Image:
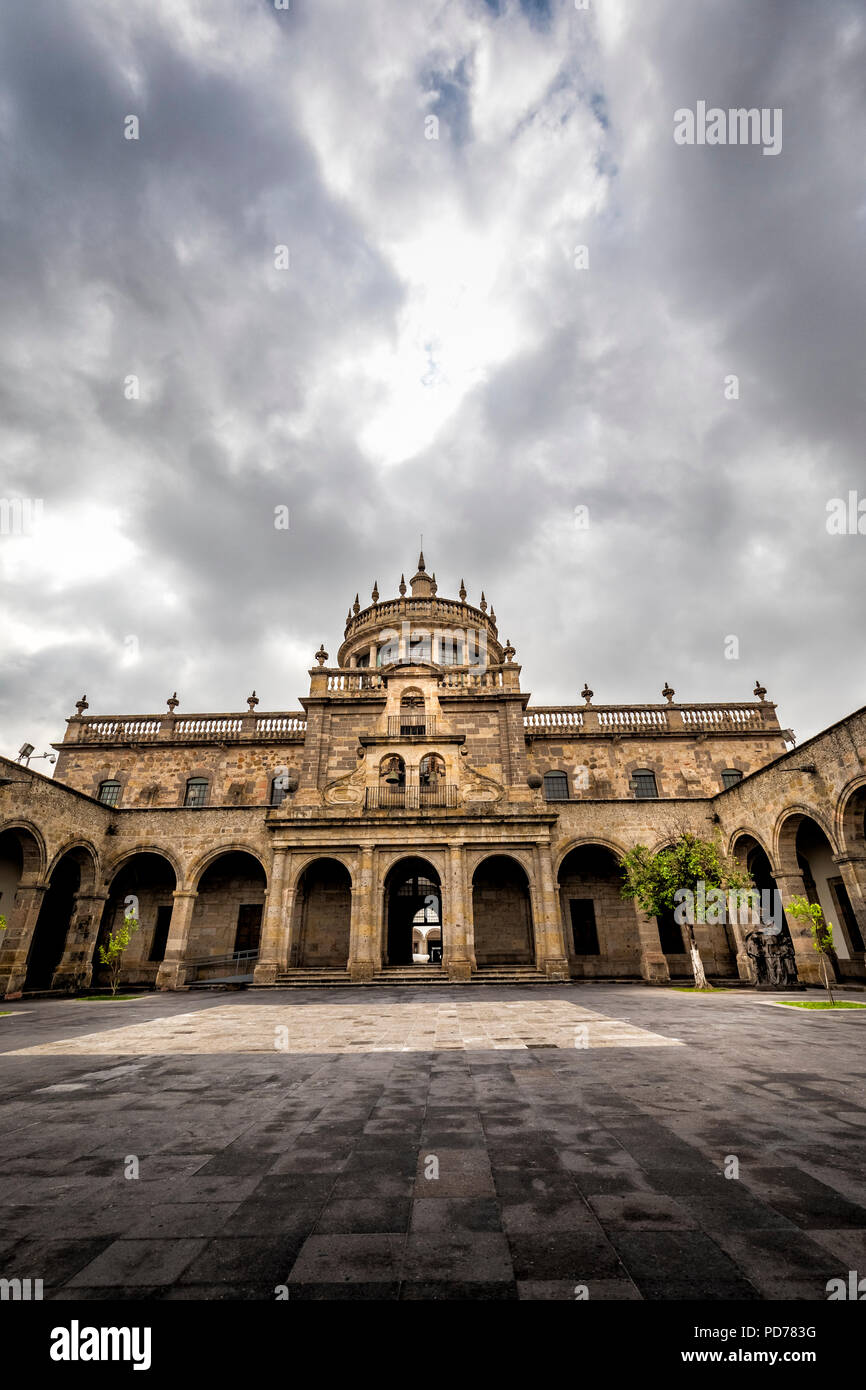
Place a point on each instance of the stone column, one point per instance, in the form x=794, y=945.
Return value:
x=172, y=972
x=16, y=940
x=274, y=945
x=653, y=965
x=458, y=936
x=549, y=939
x=365, y=947
x=852, y=870
x=75, y=969
x=808, y=965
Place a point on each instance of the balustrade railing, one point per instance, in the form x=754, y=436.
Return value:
x=411, y=797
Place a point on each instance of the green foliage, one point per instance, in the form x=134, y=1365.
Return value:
x=2, y=922
x=821, y=931
x=820, y=1004
x=118, y=940
x=654, y=879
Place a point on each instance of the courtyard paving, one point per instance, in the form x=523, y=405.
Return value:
x=474, y=1143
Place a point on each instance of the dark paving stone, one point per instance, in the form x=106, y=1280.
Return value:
x=477, y=1292
x=356, y=1214
x=463, y=1257
x=573, y=1255
x=456, y=1214
x=245, y=1260
x=349, y=1260
x=683, y=1257
x=144, y=1262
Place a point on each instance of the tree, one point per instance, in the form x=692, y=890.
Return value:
x=691, y=868
x=112, y=954
x=820, y=931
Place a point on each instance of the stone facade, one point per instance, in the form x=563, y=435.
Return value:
x=416, y=784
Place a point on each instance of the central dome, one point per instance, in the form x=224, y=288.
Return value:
x=420, y=627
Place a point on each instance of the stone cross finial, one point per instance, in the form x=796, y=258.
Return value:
x=173, y=704
x=668, y=692
x=81, y=705
x=321, y=655
x=587, y=693
x=760, y=690
x=508, y=650
x=252, y=701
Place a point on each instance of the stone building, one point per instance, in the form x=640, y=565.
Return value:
x=417, y=818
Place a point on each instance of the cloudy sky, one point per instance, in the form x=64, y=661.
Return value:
x=438, y=356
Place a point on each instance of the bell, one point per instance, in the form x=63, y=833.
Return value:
x=392, y=776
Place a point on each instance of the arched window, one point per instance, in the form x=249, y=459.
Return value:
x=412, y=714
x=432, y=770
x=730, y=777
x=109, y=793
x=196, y=792
x=556, y=786
x=644, y=783
x=393, y=771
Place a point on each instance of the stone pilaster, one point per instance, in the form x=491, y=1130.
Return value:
x=75, y=970
x=365, y=946
x=274, y=946
x=172, y=972
x=852, y=871
x=653, y=965
x=550, y=951
x=17, y=939
x=808, y=964
x=458, y=935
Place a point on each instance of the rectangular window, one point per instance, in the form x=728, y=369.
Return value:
x=730, y=777
x=583, y=929
x=109, y=793
x=160, y=933
x=249, y=931
x=196, y=793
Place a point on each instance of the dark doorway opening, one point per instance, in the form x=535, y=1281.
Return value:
x=413, y=900
x=52, y=925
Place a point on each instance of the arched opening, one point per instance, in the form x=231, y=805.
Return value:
x=19, y=855
x=412, y=721
x=502, y=913
x=322, y=916
x=392, y=781
x=149, y=880
x=770, y=913
x=823, y=881
x=72, y=873
x=413, y=902
x=600, y=925
x=227, y=917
